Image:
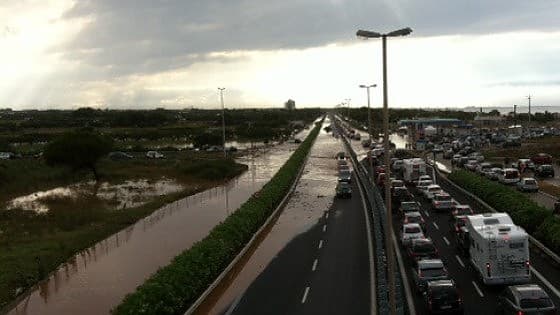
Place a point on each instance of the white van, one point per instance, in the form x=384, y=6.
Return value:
x=499, y=249
x=509, y=176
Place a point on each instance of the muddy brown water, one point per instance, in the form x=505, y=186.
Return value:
x=97, y=279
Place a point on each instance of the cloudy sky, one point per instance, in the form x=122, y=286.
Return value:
x=175, y=53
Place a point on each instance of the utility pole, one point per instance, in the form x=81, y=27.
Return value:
x=348, y=103
x=515, y=115
x=529, y=98
x=223, y=121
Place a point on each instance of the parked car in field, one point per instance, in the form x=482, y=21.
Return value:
x=410, y=232
x=528, y=184
x=477, y=156
x=542, y=158
x=529, y=165
x=343, y=190
x=429, y=270
x=493, y=173
x=422, y=248
x=471, y=165
x=525, y=299
x=442, y=202
x=483, y=168
x=509, y=176
x=154, y=155
x=442, y=297
x=414, y=217
x=544, y=170
x=455, y=159
x=448, y=154
x=430, y=191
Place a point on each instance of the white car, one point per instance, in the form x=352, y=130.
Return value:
x=411, y=231
x=528, y=184
x=471, y=165
x=397, y=165
x=422, y=185
x=431, y=190
x=422, y=178
x=477, y=156
x=442, y=202
x=154, y=155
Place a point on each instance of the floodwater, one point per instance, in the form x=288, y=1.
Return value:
x=130, y=193
x=97, y=279
x=312, y=197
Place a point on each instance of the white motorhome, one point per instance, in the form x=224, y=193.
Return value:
x=413, y=169
x=509, y=176
x=499, y=249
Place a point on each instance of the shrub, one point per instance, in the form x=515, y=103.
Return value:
x=173, y=288
x=523, y=211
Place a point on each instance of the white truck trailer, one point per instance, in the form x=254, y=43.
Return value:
x=499, y=249
x=412, y=169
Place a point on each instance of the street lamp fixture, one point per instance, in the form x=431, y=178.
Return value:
x=389, y=223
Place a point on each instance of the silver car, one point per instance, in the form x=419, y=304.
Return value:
x=528, y=184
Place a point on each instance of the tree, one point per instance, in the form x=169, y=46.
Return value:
x=78, y=150
x=494, y=112
x=290, y=104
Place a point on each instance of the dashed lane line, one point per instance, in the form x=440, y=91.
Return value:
x=435, y=225
x=324, y=228
x=314, y=265
x=427, y=214
x=304, y=298
x=546, y=282
x=477, y=289
x=446, y=240
x=460, y=261
x=320, y=244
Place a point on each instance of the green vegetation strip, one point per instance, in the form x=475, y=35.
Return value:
x=173, y=288
x=537, y=220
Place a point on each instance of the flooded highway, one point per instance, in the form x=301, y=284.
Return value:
x=312, y=198
x=95, y=280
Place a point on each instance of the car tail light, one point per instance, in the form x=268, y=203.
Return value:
x=520, y=313
x=528, y=265
x=406, y=221
x=488, y=269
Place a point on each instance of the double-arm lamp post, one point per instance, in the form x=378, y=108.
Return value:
x=389, y=225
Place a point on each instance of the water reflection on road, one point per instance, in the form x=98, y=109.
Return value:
x=97, y=279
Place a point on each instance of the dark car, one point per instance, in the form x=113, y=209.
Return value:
x=525, y=299
x=422, y=248
x=343, y=190
x=544, y=170
x=442, y=297
x=542, y=158
x=428, y=270
x=409, y=206
x=462, y=210
x=400, y=194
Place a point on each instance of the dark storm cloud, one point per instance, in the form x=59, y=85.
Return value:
x=147, y=36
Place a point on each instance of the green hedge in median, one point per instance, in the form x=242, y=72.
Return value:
x=173, y=288
x=535, y=219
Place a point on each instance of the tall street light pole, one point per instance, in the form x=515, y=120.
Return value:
x=348, y=103
x=389, y=224
x=223, y=120
x=370, y=157
x=529, y=98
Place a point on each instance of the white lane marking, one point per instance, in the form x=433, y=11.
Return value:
x=546, y=282
x=435, y=225
x=304, y=298
x=460, y=261
x=477, y=289
x=324, y=228
x=326, y=215
x=426, y=213
x=320, y=244
x=314, y=265
x=446, y=240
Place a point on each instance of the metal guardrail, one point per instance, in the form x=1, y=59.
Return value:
x=378, y=216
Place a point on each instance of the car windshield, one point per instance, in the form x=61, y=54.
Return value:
x=444, y=293
x=414, y=219
x=344, y=173
x=535, y=303
x=511, y=174
x=434, y=189
x=424, y=247
x=442, y=198
x=463, y=210
x=409, y=205
x=412, y=230
x=433, y=272
x=530, y=182
x=546, y=167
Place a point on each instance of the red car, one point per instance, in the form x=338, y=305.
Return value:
x=542, y=158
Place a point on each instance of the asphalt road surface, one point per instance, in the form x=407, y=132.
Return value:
x=478, y=298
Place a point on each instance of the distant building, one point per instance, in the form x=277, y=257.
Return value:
x=416, y=127
x=290, y=104
x=488, y=120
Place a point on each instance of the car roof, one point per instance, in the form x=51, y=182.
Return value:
x=443, y=193
x=442, y=283
x=525, y=291
x=411, y=225
x=430, y=263
x=462, y=206
x=433, y=186
x=422, y=240
x=413, y=214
